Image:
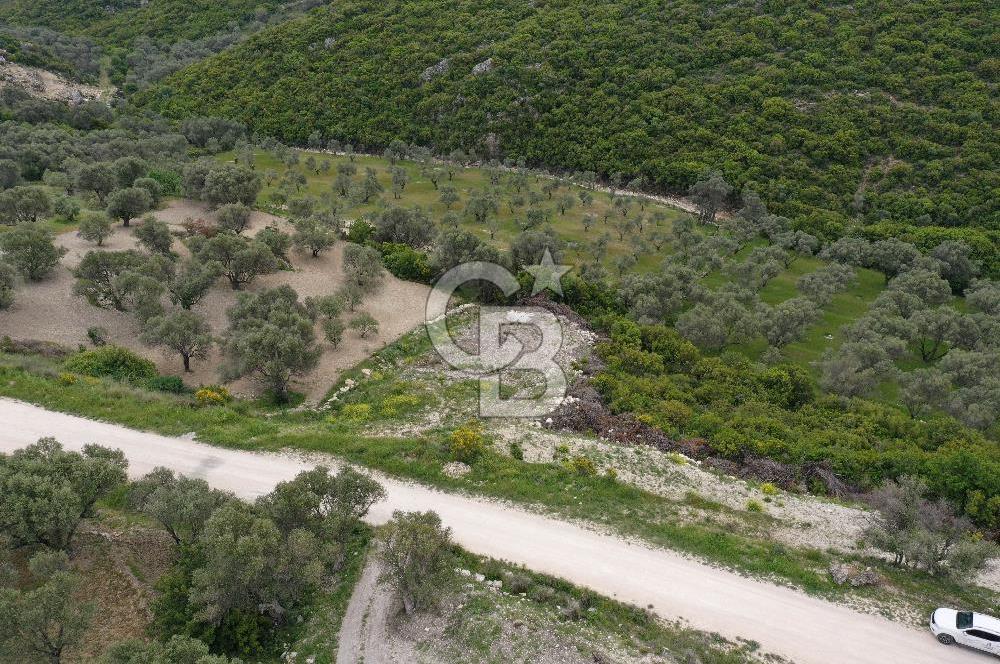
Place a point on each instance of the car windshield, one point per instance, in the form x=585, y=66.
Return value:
x=964, y=619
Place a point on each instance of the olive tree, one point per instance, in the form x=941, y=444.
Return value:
x=271, y=336
x=325, y=504
x=855, y=368
x=234, y=217
x=47, y=616
x=415, y=551
x=24, y=204
x=958, y=266
x=8, y=278
x=98, y=178
x=47, y=490
x=710, y=193
x=180, y=504
x=30, y=249
x=249, y=567
x=95, y=227
x=127, y=204
x=154, y=235
x=363, y=268
x=365, y=325
x=923, y=389
x=183, y=332
x=720, y=321
x=932, y=328
x=787, y=321
x=412, y=227
x=241, y=260
x=192, y=282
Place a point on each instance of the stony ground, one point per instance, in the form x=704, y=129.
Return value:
x=45, y=84
x=48, y=310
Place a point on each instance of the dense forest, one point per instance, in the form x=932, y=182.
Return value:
x=832, y=112
x=121, y=22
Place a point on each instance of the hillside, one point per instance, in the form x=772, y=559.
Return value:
x=828, y=111
x=120, y=22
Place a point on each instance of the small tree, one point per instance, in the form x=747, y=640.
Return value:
x=180, y=504
x=30, y=249
x=154, y=235
x=271, y=336
x=184, y=332
x=8, y=278
x=415, y=550
x=192, y=281
x=925, y=534
x=234, y=217
x=314, y=234
x=365, y=325
x=127, y=204
x=95, y=227
x=449, y=196
x=24, y=204
x=45, y=619
x=47, y=491
x=333, y=330
x=241, y=260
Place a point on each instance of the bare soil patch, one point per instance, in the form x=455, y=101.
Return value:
x=49, y=311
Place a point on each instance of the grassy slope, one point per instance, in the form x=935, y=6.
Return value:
x=420, y=192
x=802, y=101
x=844, y=309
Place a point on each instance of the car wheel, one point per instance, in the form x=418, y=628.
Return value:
x=946, y=639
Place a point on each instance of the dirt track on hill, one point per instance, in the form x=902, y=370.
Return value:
x=806, y=629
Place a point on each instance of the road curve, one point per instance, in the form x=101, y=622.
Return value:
x=805, y=629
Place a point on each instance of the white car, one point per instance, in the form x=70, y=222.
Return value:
x=966, y=628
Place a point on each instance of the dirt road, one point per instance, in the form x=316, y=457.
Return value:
x=784, y=621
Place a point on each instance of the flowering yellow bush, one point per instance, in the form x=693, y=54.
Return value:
x=582, y=465
x=467, y=443
x=357, y=411
x=67, y=379
x=212, y=396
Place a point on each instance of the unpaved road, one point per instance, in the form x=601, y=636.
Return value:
x=783, y=621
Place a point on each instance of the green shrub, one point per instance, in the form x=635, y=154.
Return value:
x=112, y=362
x=172, y=384
x=754, y=506
x=406, y=262
x=516, y=451
x=98, y=335
x=360, y=232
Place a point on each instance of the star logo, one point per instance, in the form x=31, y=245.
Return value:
x=547, y=274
